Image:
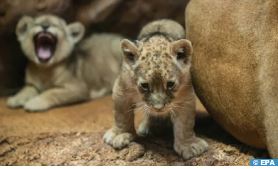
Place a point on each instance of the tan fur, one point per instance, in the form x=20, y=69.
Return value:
x=235, y=66
x=101, y=64
x=73, y=73
x=154, y=60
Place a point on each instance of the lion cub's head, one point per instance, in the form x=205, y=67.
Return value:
x=47, y=39
x=160, y=67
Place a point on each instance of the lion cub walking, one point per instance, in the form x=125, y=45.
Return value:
x=58, y=71
x=156, y=76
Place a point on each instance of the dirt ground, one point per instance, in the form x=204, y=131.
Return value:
x=72, y=135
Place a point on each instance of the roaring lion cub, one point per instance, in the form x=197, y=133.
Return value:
x=156, y=76
x=60, y=72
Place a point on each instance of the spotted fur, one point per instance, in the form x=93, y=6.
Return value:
x=155, y=58
x=156, y=78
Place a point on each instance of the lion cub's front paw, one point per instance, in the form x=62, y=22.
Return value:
x=116, y=139
x=189, y=150
x=15, y=102
x=36, y=104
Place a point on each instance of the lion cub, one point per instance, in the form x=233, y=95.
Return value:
x=60, y=72
x=156, y=76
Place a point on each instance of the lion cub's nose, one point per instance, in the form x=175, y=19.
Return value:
x=158, y=106
x=45, y=25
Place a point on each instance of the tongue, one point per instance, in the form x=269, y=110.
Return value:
x=44, y=53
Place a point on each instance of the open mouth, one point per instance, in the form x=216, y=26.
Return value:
x=45, y=45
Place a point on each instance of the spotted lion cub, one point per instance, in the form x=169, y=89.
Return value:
x=156, y=76
x=59, y=71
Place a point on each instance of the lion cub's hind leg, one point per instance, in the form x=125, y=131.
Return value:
x=144, y=127
x=156, y=126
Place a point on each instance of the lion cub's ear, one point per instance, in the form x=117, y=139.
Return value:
x=76, y=31
x=22, y=26
x=130, y=51
x=182, y=50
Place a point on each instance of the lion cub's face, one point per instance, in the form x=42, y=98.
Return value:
x=47, y=39
x=161, y=68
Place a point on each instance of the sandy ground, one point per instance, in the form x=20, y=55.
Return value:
x=72, y=135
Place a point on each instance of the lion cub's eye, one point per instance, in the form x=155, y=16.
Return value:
x=181, y=55
x=145, y=87
x=171, y=85
x=130, y=56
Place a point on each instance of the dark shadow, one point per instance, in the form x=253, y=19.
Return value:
x=207, y=127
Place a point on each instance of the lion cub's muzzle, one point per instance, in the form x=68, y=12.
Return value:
x=45, y=45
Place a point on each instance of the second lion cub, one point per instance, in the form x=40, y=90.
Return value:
x=59, y=71
x=156, y=75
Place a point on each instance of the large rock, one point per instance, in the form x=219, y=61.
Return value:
x=235, y=66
